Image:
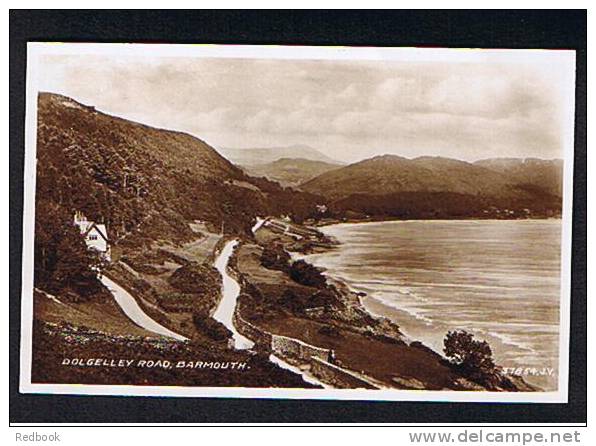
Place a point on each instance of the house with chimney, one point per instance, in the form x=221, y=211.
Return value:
x=95, y=234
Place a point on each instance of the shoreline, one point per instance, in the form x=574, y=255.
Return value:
x=403, y=318
x=334, y=222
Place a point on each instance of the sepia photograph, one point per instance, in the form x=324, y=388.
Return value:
x=345, y=223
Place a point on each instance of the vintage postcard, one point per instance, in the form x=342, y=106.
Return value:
x=297, y=222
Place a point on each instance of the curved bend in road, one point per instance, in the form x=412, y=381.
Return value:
x=260, y=222
x=227, y=306
x=230, y=292
x=135, y=313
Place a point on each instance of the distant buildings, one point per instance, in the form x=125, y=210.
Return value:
x=96, y=235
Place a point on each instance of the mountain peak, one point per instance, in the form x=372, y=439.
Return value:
x=251, y=156
x=385, y=158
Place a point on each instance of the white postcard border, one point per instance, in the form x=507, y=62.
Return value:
x=36, y=49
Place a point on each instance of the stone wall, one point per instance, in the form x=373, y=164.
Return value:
x=339, y=377
x=296, y=349
x=261, y=338
x=298, y=352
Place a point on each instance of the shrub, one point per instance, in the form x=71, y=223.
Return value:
x=306, y=274
x=328, y=330
x=471, y=355
x=291, y=301
x=275, y=257
x=323, y=298
x=196, y=278
x=210, y=327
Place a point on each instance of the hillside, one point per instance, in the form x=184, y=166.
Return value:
x=148, y=186
x=429, y=187
x=145, y=183
x=391, y=174
x=291, y=171
x=546, y=174
x=253, y=156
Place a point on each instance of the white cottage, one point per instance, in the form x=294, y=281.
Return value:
x=96, y=235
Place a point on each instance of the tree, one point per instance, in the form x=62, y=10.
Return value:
x=76, y=265
x=62, y=259
x=471, y=355
x=307, y=274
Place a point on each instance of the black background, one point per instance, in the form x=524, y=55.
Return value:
x=469, y=28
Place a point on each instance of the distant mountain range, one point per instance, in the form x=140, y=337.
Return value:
x=291, y=171
x=256, y=156
x=436, y=187
x=147, y=184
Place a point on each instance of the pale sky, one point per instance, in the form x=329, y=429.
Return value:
x=348, y=110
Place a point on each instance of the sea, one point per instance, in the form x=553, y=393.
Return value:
x=498, y=279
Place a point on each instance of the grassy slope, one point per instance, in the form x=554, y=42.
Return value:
x=100, y=330
x=546, y=174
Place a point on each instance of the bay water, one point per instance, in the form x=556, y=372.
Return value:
x=498, y=279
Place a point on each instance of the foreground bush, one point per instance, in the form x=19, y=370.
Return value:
x=468, y=353
x=62, y=261
x=473, y=359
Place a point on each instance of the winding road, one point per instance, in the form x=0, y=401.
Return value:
x=230, y=291
x=134, y=312
x=224, y=312
x=227, y=307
